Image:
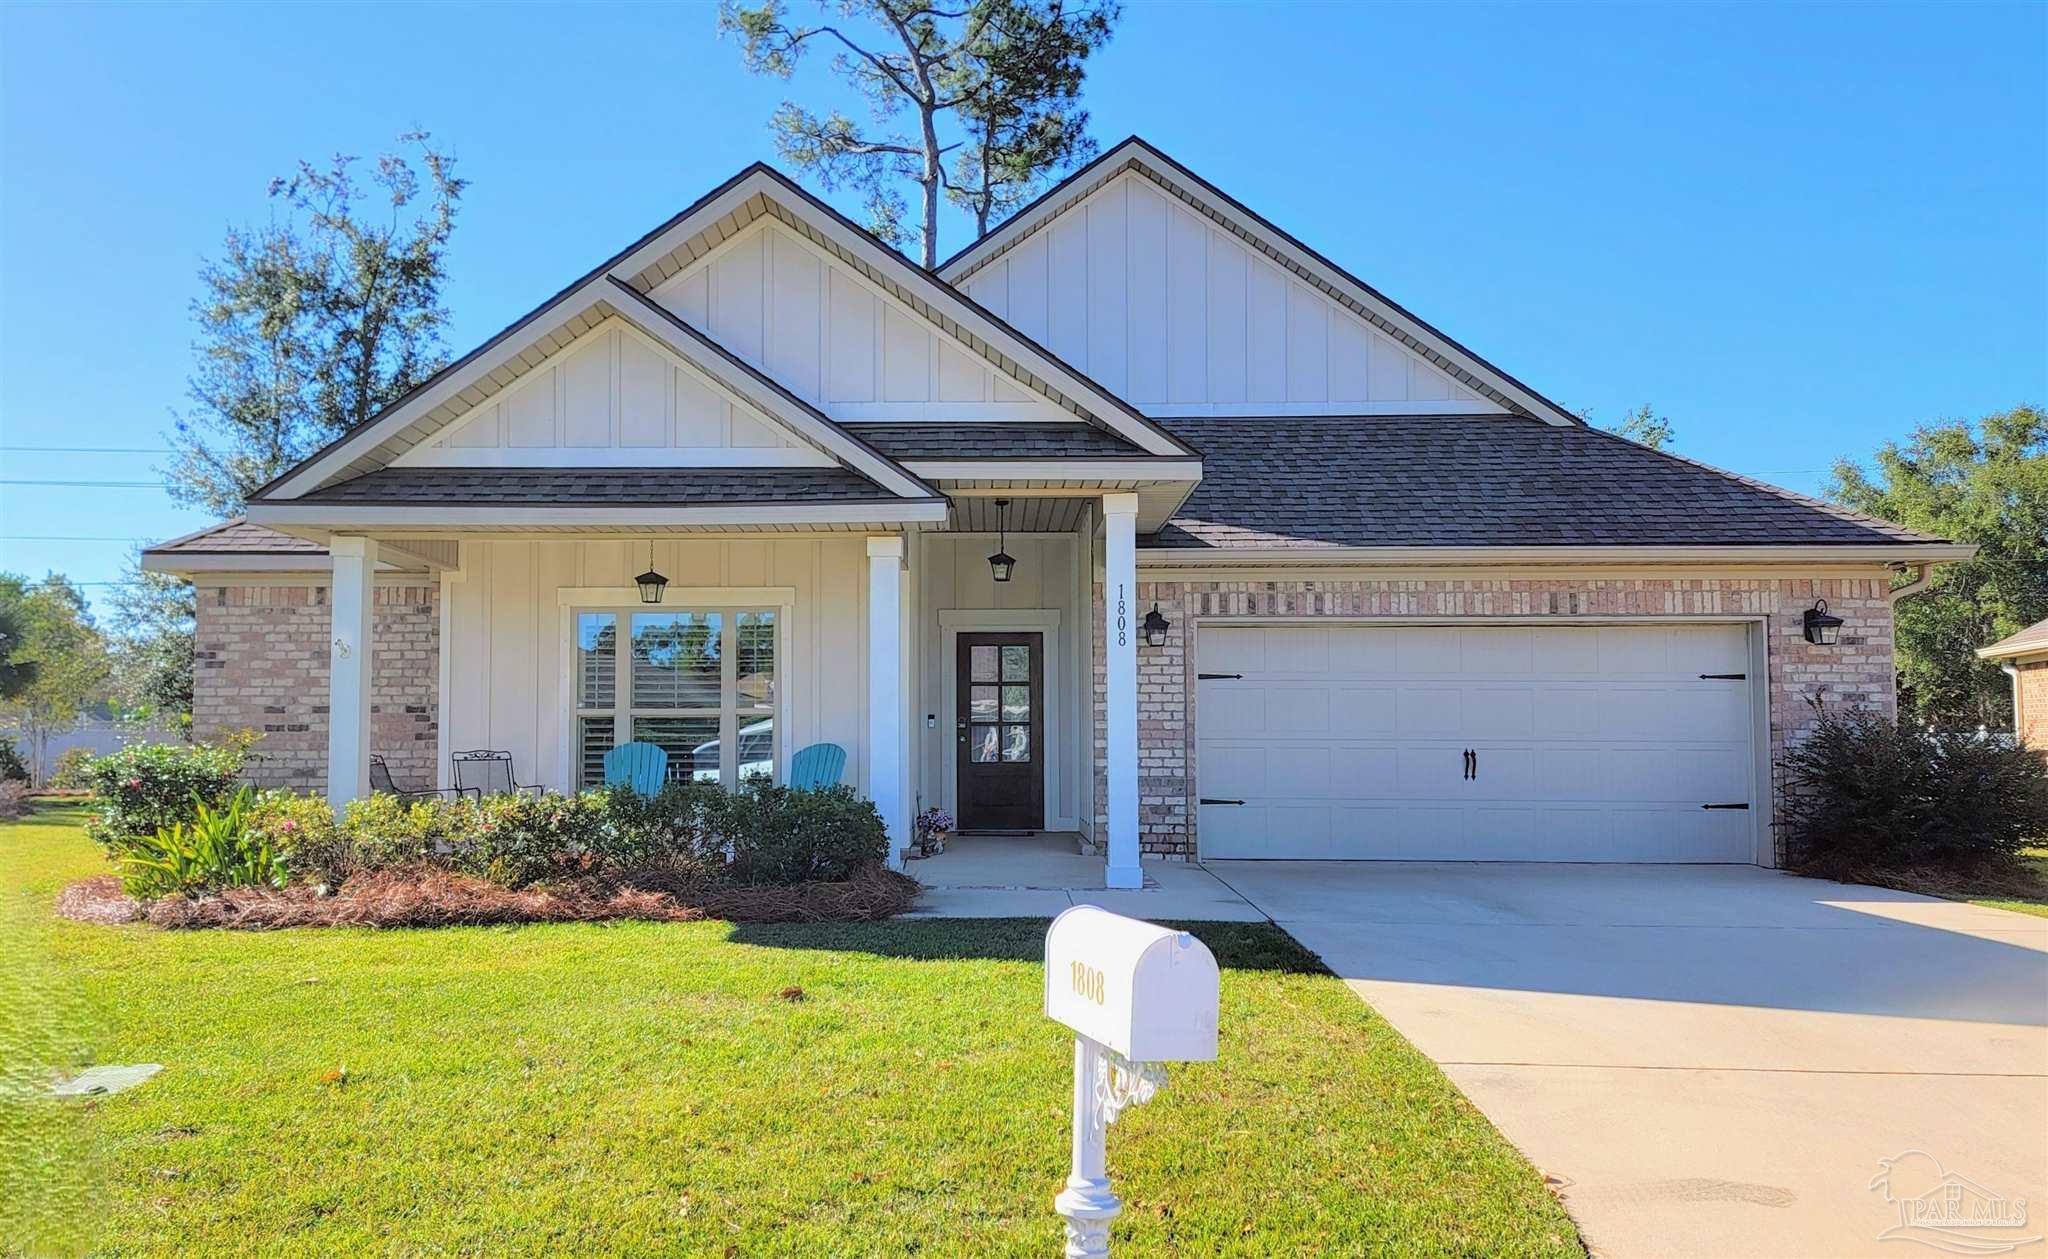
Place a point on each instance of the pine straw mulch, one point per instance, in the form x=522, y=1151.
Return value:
x=2020, y=880
x=428, y=896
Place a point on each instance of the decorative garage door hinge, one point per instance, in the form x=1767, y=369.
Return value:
x=1724, y=677
x=1214, y=800
x=1725, y=806
x=1204, y=677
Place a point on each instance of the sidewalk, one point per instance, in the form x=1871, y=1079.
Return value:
x=1041, y=875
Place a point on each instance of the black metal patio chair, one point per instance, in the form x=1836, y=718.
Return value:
x=380, y=780
x=490, y=773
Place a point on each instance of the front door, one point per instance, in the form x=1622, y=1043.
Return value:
x=1000, y=680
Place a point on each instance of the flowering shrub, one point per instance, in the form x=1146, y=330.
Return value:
x=149, y=787
x=520, y=839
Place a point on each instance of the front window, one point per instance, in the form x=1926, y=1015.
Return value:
x=700, y=685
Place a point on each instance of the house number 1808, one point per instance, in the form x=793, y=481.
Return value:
x=1088, y=982
x=1122, y=617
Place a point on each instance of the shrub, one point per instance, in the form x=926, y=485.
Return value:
x=12, y=768
x=149, y=787
x=68, y=774
x=786, y=835
x=672, y=830
x=13, y=800
x=217, y=850
x=519, y=839
x=1866, y=792
x=303, y=829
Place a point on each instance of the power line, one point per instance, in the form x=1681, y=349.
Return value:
x=91, y=485
x=89, y=450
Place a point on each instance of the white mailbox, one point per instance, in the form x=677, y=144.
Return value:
x=1136, y=995
x=1142, y=990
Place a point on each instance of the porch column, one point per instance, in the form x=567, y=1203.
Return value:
x=1120, y=647
x=886, y=727
x=348, y=670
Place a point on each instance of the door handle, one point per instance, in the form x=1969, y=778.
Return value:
x=1475, y=764
x=1471, y=764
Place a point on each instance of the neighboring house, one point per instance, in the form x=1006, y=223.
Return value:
x=1406, y=606
x=2024, y=657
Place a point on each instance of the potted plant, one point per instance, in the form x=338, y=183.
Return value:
x=930, y=831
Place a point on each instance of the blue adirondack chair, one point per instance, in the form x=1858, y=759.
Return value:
x=641, y=766
x=818, y=765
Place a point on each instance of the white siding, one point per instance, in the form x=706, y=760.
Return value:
x=1139, y=292
x=506, y=635
x=611, y=390
x=839, y=342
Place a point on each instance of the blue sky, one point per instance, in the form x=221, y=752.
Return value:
x=1797, y=230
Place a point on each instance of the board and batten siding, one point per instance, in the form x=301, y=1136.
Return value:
x=833, y=337
x=953, y=574
x=505, y=649
x=612, y=388
x=1162, y=306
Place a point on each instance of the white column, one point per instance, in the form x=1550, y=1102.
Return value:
x=886, y=727
x=1120, y=647
x=348, y=670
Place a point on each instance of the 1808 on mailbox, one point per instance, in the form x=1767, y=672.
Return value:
x=1145, y=991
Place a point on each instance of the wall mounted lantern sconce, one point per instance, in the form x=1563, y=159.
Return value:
x=1822, y=629
x=1155, y=627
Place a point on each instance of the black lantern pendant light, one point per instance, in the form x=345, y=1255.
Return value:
x=651, y=583
x=1155, y=628
x=1821, y=628
x=1002, y=564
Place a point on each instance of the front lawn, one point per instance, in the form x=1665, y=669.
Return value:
x=882, y=1088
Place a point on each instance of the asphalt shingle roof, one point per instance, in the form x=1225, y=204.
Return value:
x=238, y=537
x=676, y=487
x=2031, y=639
x=1478, y=481
x=992, y=441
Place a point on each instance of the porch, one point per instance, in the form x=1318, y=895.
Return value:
x=1041, y=874
x=947, y=687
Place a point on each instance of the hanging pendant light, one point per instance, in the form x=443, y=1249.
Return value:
x=651, y=583
x=1002, y=564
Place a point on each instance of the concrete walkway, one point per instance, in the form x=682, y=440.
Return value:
x=1714, y=1060
x=1038, y=876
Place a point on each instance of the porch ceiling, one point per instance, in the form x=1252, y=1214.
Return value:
x=1027, y=515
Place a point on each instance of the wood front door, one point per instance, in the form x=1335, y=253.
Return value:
x=999, y=732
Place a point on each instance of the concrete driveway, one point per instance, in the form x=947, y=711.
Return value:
x=1712, y=1060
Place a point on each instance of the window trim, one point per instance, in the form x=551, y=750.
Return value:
x=727, y=601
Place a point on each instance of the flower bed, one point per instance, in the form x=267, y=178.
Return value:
x=231, y=857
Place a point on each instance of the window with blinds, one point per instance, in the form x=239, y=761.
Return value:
x=699, y=684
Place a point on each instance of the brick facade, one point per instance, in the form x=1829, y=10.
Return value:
x=260, y=663
x=2031, y=721
x=1854, y=674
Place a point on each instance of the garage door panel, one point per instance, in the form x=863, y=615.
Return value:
x=1232, y=649
x=1301, y=771
x=1297, y=710
x=1430, y=712
x=1367, y=773
x=1233, y=769
x=1364, y=649
x=1499, y=712
x=1593, y=743
x=1363, y=711
x=1500, y=653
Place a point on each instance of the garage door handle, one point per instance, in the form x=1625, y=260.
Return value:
x=1724, y=806
x=1471, y=764
x=1214, y=800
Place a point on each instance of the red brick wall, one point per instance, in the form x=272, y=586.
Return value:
x=1856, y=673
x=260, y=663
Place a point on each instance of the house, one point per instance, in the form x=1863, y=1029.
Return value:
x=1290, y=572
x=2024, y=657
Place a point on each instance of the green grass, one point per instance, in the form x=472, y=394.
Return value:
x=638, y=1088
x=2036, y=861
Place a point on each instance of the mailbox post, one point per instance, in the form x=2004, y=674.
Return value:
x=1136, y=995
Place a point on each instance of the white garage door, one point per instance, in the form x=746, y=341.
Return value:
x=1483, y=743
